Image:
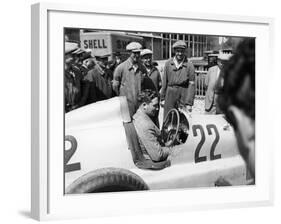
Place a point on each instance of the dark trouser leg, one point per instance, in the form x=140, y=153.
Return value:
x=171, y=100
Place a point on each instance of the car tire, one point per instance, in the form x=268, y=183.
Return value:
x=107, y=180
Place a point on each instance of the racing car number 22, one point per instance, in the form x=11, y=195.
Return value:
x=210, y=127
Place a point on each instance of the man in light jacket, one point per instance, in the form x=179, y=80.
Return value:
x=210, y=83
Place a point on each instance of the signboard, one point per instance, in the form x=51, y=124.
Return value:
x=107, y=42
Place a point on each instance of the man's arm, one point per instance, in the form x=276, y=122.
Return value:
x=154, y=149
x=191, y=86
x=117, y=77
x=207, y=78
x=159, y=82
x=164, y=82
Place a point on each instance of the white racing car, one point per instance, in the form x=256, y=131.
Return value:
x=102, y=151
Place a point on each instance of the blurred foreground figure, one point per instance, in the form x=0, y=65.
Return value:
x=237, y=99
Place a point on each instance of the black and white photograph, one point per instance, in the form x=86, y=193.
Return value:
x=157, y=111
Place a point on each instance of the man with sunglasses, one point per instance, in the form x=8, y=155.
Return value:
x=178, y=84
x=128, y=76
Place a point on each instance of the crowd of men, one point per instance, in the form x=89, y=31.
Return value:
x=236, y=99
x=91, y=77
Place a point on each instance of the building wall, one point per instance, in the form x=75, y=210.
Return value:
x=161, y=43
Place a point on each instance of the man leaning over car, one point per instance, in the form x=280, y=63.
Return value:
x=149, y=134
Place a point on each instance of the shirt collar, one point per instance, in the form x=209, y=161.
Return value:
x=143, y=115
x=182, y=64
x=100, y=69
x=136, y=67
x=149, y=72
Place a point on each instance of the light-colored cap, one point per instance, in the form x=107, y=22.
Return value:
x=179, y=44
x=99, y=54
x=88, y=50
x=134, y=47
x=70, y=47
x=78, y=51
x=145, y=52
x=224, y=57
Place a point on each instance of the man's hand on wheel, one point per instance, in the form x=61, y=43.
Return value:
x=188, y=108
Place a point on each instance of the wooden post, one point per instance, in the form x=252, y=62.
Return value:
x=193, y=45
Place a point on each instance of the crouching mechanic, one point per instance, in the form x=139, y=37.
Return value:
x=149, y=134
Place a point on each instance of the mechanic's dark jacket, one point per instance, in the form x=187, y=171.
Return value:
x=127, y=81
x=178, y=85
x=149, y=137
x=98, y=84
x=72, y=88
x=154, y=78
x=84, y=70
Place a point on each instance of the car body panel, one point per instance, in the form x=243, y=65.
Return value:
x=102, y=142
x=100, y=135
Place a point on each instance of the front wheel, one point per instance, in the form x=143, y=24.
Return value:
x=107, y=180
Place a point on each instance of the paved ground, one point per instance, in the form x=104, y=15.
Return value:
x=198, y=107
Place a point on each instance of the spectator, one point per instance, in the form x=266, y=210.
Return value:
x=115, y=62
x=211, y=83
x=178, y=84
x=72, y=79
x=152, y=79
x=152, y=72
x=237, y=99
x=98, y=81
x=128, y=76
x=87, y=65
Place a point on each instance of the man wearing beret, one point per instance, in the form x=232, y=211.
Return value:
x=128, y=76
x=178, y=84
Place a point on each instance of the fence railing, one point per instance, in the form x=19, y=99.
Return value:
x=200, y=76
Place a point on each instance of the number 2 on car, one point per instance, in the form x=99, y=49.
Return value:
x=198, y=131
x=69, y=153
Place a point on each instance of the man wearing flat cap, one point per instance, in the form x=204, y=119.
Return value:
x=98, y=81
x=152, y=79
x=153, y=76
x=72, y=79
x=211, y=84
x=128, y=76
x=178, y=83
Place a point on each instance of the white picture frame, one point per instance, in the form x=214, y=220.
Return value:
x=48, y=201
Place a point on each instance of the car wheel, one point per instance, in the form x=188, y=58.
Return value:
x=107, y=180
